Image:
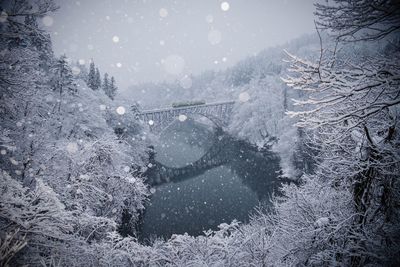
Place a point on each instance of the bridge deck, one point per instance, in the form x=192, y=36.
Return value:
x=186, y=107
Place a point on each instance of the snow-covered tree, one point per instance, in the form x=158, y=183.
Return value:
x=98, y=79
x=63, y=80
x=65, y=176
x=112, y=91
x=106, y=84
x=353, y=107
x=92, y=82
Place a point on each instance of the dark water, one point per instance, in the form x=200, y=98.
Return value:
x=203, y=178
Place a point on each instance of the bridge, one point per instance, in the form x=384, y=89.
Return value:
x=159, y=119
x=224, y=150
x=216, y=155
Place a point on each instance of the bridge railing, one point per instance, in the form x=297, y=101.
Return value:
x=187, y=107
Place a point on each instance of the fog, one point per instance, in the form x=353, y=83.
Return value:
x=142, y=41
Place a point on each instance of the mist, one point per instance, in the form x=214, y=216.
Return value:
x=152, y=41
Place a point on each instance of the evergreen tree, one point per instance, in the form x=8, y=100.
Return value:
x=91, y=82
x=63, y=78
x=97, y=79
x=106, y=84
x=113, y=89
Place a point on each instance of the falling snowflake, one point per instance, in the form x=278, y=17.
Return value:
x=151, y=122
x=322, y=221
x=214, y=37
x=162, y=42
x=81, y=62
x=224, y=59
x=127, y=169
x=209, y=19
x=47, y=21
x=225, y=6
x=3, y=16
x=150, y=165
x=174, y=64
x=163, y=12
x=120, y=110
x=103, y=107
x=186, y=82
x=13, y=161
x=3, y=152
x=182, y=117
x=75, y=70
x=244, y=97
x=72, y=147
x=115, y=39
x=84, y=177
x=153, y=190
x=119, y=65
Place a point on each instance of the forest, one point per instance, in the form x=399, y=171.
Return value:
x=74, y=155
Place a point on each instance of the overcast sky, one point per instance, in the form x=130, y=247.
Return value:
x=148, y=40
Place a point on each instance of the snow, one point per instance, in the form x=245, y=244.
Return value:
x=225, y=6
x=182, y=117
x=13, y=161
x=322, y=221
x=244, y=97
x=3, y=16
x=120, y=110
x=47, y=21
x=174, y=64
x=115, y=39
x=76, y=70
x=186, y=82
x=163, y=12
x=214, y=37
x=64, y=188
x=72, y=147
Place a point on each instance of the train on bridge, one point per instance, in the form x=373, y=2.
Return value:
x=188, y=103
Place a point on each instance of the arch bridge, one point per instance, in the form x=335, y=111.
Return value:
x=159, y=119
x=214, y=157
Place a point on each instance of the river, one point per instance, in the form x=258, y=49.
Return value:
x=202, y=178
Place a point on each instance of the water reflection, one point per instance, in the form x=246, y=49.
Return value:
x=203, y=178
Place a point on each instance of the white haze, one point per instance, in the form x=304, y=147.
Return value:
x=150, y=41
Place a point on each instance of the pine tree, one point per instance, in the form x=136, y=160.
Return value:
x=98, y=79
x=63, y=79
x=91, y=82
x=106, y=84
x=113, y=89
